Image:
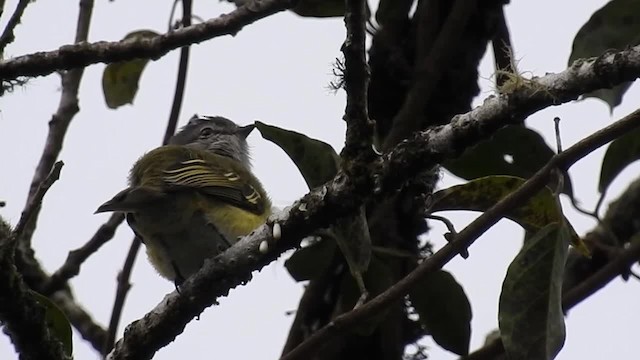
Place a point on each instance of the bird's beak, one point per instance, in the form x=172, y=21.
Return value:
x=244, y=131
x=106, y=207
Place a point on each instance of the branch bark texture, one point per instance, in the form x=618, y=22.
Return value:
x=83, y=54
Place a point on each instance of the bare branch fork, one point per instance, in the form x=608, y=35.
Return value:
x=84, y=54
x=344, y=194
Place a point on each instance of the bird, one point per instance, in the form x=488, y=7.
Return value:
x=192, y=199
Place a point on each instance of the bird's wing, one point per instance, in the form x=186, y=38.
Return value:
x=223, y=183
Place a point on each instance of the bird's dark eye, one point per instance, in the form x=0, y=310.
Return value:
x=206, y=132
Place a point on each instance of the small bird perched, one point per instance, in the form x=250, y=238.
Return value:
x=190, y=200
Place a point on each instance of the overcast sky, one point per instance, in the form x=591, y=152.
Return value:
x=277, y=71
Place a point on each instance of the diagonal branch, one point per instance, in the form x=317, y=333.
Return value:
x=345, y=194
x=76, y=258
x=7, y=36
x=80, y=55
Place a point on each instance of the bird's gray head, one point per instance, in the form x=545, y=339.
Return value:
x=216, y=134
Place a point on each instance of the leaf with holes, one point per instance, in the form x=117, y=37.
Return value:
x=620, y=153
x=120, y=79
x=614, y=26
x=444, y=310
x=530, y=310
x=481, y=194
x=514, y=150
x=316, y=160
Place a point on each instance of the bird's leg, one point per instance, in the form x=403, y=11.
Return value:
x=179, y=279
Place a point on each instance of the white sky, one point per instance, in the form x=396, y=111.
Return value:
x=276, y=70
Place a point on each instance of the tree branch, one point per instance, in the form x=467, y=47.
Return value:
x=80, y=55
x=76, y=258
x=359, y=136
x=7, y=36
x=345, y=194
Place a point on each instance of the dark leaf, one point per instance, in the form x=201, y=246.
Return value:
x=530, y=312
x=444, y=310
x=316, y=160
x=481, y=194
x=311, y=261
x=614, y=26
x=57, y=322
x=622, y=152
x=514, y=150
x=120, y=80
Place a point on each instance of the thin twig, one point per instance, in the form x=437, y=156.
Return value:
x=502, y=50
x=8, y=36
x=81, y=55
x=36, y=200
x=464, y=238
x=76, y=258
x=121, y=293
x=123, y=278
x=182, y=77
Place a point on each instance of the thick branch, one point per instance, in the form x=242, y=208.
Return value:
x=344, y=194
x=80, y=55
x=76, y=258
x=359, y=136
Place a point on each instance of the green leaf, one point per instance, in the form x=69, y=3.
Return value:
x=444, y=310
x=57, y=322
x=530, y=311
x=481, y=194
x=120, y=80
x=614, y=26
x=316, y=160
x=514, y=150
x=311, y=261
x=620, y=153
